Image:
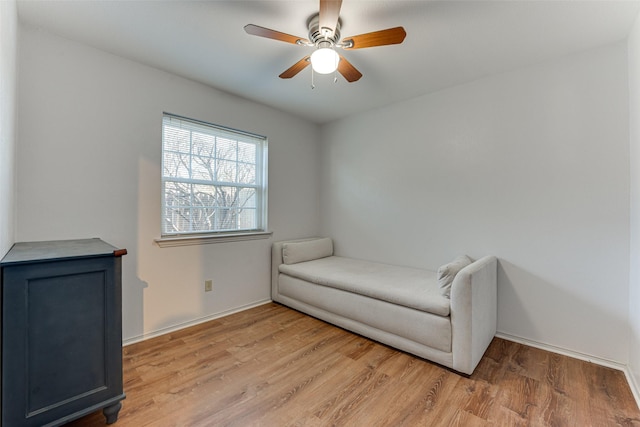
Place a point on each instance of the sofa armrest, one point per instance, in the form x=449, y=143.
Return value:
x=276, y=260
x=473, y=312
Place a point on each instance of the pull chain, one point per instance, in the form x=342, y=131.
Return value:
x=313, y=86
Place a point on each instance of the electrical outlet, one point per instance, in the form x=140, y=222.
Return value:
x=208, y=285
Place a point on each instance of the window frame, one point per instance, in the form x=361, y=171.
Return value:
x=260, y=186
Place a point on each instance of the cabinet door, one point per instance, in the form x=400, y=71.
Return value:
x=61, y=341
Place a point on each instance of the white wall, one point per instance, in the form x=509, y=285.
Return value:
x=8, y=49
x=89, y=165
x=531, y=166
x=634, y=136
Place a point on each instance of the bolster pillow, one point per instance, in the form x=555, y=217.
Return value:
x=293, y=253
x=447, y=273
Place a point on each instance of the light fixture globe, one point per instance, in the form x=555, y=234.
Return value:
x=325, y=60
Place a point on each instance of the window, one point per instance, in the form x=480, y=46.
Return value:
x=213, y=179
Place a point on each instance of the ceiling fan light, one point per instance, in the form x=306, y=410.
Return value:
x=325, y=60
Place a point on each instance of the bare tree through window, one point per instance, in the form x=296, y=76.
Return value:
x=211, y=180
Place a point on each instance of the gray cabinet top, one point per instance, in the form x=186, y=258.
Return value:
x=24, y=252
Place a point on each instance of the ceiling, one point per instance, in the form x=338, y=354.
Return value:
x=448, y=43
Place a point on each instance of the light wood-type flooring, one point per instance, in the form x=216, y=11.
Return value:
x=272, y=366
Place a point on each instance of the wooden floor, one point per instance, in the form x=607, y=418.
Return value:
x=272, y=366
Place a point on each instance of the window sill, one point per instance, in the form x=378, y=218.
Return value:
x=168, y=242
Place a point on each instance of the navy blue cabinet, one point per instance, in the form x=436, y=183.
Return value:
x=61, y=329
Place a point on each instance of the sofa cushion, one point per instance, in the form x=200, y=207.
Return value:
x=293, y=253
x=346, y=309
x=447, y=272
x=408, y=287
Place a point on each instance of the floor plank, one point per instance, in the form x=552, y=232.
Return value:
x=272, y=366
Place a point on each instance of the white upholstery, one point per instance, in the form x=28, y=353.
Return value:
x=295, y=252
x=474, y=310
x=408, y=287
x=398, y=306
x=419, y=326
x=447, y=273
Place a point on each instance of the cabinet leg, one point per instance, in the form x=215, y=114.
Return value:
x=111, y=412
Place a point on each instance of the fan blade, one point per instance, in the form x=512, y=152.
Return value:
x=296, y=68
x=348, y=71
x=377, y=38
x=329, y=14
x=255, y=30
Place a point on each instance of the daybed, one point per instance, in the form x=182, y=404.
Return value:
x=448, y=316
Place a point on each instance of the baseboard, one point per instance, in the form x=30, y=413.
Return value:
x=194, y=322
x=635, y=390
x=559, y=350
x=633, y=384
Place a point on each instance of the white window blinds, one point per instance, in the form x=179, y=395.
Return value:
x=213, y=178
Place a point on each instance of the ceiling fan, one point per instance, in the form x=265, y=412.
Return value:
x=324, y=34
